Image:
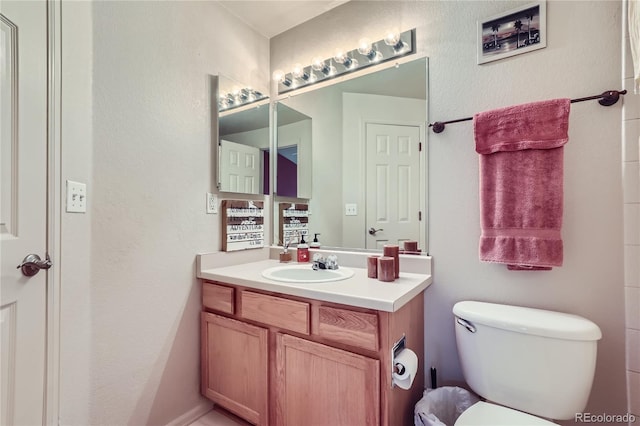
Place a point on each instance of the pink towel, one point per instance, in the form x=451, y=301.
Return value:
x=521, y=189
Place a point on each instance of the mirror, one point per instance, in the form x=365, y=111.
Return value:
x=243, y=139
x=368, y=180
x=294, y=166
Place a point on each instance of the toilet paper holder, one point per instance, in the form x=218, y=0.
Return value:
x=395, y=350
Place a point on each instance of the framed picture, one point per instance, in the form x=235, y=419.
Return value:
x=512, y=32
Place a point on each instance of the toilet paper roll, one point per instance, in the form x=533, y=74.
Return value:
x=406, y=363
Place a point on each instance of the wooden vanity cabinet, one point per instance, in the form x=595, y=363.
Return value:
x=235, y=366
x=320, y=385
x=280, y=360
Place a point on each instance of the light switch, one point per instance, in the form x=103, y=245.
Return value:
x=351, y=209
x=76, y=197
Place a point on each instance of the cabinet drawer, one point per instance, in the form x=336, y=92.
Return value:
x=275, y=311
x=349, y=327
x=217, y=297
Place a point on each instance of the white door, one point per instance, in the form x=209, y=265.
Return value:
x=239, y=168
x=23, y=216
x=393, y=184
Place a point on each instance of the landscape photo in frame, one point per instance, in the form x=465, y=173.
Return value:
x=512, y=32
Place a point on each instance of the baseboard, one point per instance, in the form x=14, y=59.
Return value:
x=192, y=415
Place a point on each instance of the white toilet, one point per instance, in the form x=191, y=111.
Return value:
x=525, y=362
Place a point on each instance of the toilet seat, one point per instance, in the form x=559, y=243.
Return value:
x=484, y=413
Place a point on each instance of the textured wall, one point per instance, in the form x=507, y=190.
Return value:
x=130, y=318
x=75, y=256
x=577, y=62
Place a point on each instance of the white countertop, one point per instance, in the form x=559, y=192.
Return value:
x=359, y=290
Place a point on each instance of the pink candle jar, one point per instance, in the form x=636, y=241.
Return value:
x=386, y=269
x=392, y=250
x=411, y=246
x=372, y=266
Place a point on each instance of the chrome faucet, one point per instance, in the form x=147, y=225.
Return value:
x=320, y=262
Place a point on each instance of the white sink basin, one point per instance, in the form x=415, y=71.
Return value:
x=303, y=273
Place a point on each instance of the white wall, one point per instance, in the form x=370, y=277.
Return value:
x=75, y=257
x=138, y=130
x=578, y=61
x=631, y=195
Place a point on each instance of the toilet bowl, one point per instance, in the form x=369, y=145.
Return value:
x=531, y=364
x=484, y=413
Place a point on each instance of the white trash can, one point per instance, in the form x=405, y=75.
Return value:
x=442, y=406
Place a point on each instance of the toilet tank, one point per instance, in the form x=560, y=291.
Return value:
x=540, y=362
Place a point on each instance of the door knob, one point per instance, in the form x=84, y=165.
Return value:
x=32, y=264
x=372, y=230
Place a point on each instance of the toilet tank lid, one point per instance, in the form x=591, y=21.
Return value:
x=528, y=320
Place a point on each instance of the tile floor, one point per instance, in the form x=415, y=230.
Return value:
x=217, y=417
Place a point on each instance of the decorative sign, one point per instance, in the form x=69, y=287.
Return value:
x=242, y=225
x=294, y=222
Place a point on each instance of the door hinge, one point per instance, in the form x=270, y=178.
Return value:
x=420, y=215
x=420, y=146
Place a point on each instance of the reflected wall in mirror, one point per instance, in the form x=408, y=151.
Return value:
x=243, y=139
x=294, y=166
x=369, y=160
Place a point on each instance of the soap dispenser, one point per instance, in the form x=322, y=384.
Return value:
x=315, y=244
x=303, y=250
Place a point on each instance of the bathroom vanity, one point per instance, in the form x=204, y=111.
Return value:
x=278, y=353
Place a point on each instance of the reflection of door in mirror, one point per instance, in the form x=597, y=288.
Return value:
x=243, y=138
x=392, y=183
x=288, y=171
x=294, y=153
x=239, y=167
x=244, y=144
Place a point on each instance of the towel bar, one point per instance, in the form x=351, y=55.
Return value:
x=607, y=98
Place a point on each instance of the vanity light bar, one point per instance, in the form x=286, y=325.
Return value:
x=393, y=46
x=242, y=97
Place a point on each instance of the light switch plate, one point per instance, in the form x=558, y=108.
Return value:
x=76, y=197
x=351, y=209
x=212, y=203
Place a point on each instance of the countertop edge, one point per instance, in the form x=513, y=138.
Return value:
x=356, y=300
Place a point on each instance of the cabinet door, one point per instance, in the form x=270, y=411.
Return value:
x=235, y=366
x=320, y=385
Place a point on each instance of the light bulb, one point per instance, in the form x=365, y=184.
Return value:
x=278, y=75
x=366, y=49
x=344, y=59
x=393, y=39
x=320, y=65
x=317, y=63
x=364, y=46
x=340, y=56
x=299, y=72
x=245, y=95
